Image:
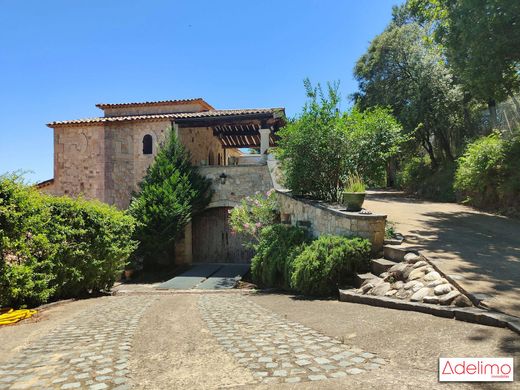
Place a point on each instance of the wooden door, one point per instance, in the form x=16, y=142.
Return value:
x=213, y=241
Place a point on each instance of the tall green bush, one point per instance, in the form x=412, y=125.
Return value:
x=312, y=146
x=320, y=148
x=171, y=192
x=57, y=247
x=93, y=242
x=327, y=263
x=488, y=174
x=278, y=246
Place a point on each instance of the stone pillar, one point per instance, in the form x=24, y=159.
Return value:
x=264, y=142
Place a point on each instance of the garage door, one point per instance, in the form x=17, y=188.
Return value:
x=212, y=239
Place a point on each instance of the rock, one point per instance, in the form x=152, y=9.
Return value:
x=390, y=293
x=407, y=271
x=430, y=299
x=417, y=287
x=383, y=275
x=462, y=301
x=428, y=270
x=419, y=264
x=403, y=294
x=366, y=287
x=372, y=281
x=410, y=284
x=437, y=282
x=380, y=289
x=442, y=289
x=398, y=267
x=446, y=299
x=420, y=294
x=416, y=274
x=411, y=257
x=398, y=285
x=433, y=275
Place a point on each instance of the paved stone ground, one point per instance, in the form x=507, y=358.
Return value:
x=90, y=351
x=278, y=350
x=480, y=250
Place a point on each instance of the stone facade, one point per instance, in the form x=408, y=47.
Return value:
x=327, y=220
x=106, y=162
x=241, y=181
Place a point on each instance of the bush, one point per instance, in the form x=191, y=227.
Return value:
x=93, y=242
x=57, y=247
x=25, y=251
x=419, y=177
x=253, y=214
x=322, y=146
x=488, y=174
x=327, y=263
x=278, y=246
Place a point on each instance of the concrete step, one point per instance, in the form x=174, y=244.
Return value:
x=360, y=278
x=397, y=252
x=378, y=266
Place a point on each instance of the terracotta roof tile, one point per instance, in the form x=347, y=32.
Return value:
x=276, y=112
x=155, y=103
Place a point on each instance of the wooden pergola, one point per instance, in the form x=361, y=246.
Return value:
x=241, y=130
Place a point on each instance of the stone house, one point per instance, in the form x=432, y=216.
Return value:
x=106, y=157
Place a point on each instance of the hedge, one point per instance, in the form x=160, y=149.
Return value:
x=327, y=263
x=57, y=247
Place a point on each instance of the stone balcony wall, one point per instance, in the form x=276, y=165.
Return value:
x=321, y=218
x=241, y=181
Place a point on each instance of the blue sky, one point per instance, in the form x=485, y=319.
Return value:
x=58, y=58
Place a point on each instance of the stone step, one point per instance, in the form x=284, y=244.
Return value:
x=360, y=278
x=397, y=252
x=378, y=266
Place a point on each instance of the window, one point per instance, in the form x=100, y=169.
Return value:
x=147, y=144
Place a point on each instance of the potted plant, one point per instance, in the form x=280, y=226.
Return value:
x=353, y=194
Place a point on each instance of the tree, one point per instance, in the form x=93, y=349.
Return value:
x=312, y=146
x=320, y=148
x=481, y=41
x=403, y=71
x=374, y=139
x=171, y=192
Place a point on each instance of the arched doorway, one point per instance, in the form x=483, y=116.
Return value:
x=213, y=241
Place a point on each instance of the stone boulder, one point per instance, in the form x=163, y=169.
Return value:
x=381, y=289
x=420, y=294
x=442, y=289
x=447, y=298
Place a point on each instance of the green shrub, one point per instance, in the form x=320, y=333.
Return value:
x=278, y=246
x=93, y=241
x=57, y=247
x=488, y=174
x=327, y=263
x=419, y=177
x=25, y=251
x=254, y=214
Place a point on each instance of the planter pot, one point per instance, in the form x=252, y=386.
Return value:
x=353, y=200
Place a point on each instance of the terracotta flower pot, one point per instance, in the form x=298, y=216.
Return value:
x=353, y=201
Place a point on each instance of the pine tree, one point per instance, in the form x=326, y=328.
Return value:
x=171, y=192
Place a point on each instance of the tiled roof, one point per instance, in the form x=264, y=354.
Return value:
x=275, y=112
x=155, y=103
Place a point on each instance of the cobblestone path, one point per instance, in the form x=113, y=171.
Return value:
x=278, y=350
x=90, y=351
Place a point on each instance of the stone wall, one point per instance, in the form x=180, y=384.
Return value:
x=241, y=181
x=79, y=161
x=106, y=161
x=323, y=219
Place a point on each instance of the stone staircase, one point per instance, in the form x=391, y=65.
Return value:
x=392, y=254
